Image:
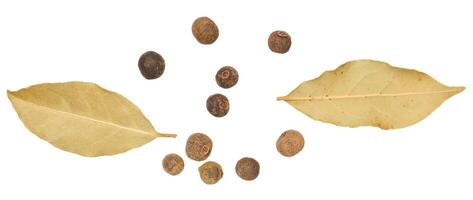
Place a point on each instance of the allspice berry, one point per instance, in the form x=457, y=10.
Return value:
x=198, y=146
x=226, y=77
x=218, y=105
x=279, y=42
x=210, y=172
x=290, y=143
x=151, y=65
x=205, y=30
x=247, y=168
x=173, y=164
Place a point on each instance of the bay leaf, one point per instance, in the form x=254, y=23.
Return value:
x=370, y=93
x=83, y=118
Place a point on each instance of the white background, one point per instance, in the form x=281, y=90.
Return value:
x=101, y=41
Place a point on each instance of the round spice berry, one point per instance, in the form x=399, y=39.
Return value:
x=210, y=172
x=173, y=164
x=218, y=105
x=247, y=168
x=205, y=30
x=151, y=65
x=290, y=143
x=279, y=42
x=226, y=77
x=198, y=146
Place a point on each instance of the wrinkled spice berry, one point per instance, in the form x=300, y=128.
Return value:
x=205, y=30
x=210, y=172
x=290, y=143
x=151, y=65
x=247, y=168
x=279, y=41
x=218, y=105
x=173, y=164
x=198, y=147
x=226, y=77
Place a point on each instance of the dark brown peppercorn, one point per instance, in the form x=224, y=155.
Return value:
x=210, y=172
x=205, y=30
x=226, y=77
x=247, y=168
x=218, y=105
x=279, y=41
x=290, y=143
x=173, y=164
x=151, y=65
x=198, y=147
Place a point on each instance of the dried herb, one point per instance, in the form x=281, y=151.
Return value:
x=210, y=172
x=370, y=93
x=198, y=146
x=247, y=168
x=173, y=164
x=290, y=143
x=151, y=65
x=218, y=105
x=83, y=118
x=279, y=42
x=205, y=30
x=226, y=77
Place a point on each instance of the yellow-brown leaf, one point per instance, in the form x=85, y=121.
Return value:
x=82, y=118
x=370, y=93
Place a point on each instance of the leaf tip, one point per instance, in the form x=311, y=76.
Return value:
x=458, y=89
x=10, y=94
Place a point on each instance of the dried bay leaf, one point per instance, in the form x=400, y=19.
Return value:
x=83, y=118
x=370, y=93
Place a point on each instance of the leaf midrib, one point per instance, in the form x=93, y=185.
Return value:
x=326, y=97
x=84, y=117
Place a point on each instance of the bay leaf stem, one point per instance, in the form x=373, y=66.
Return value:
x=167, y=135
